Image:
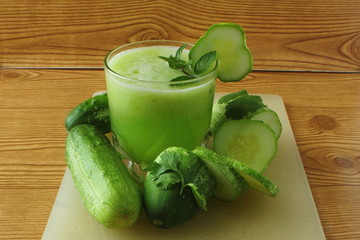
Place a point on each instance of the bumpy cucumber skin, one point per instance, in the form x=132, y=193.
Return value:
x=254, y=178
x=93, y=111
x=213, y=161
x=166, y=208
x=102, y=180
x=249, y=176
x=194, y=172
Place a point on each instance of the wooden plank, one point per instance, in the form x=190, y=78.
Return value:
x=322, y=107
x=24, y=213
x=282, y=35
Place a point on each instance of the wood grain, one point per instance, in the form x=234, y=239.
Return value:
x=322, y=108
x=305, y=35
x=306, y=51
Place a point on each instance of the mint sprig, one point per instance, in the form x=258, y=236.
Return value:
x=175, y=62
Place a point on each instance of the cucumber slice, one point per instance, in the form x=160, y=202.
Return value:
x=254, y=178
x=228, y=40
x=229, y=184
x=269, y=117
x=249, y=141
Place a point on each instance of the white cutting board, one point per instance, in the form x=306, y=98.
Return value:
x=291, y=215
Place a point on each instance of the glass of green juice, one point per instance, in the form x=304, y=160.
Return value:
x=148, y=113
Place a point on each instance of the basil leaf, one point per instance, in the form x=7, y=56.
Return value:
x=204, y=62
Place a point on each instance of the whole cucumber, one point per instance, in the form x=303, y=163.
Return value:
x=94, y=111
x=177, y=185
x=166, y=208
x=105, y=186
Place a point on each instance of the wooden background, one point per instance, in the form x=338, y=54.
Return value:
x=51, y=55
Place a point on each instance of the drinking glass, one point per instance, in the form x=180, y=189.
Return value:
x=147, y=115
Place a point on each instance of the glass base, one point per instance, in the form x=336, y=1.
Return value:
x=135, y=169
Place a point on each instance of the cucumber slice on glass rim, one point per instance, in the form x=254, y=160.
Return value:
x=228, y=40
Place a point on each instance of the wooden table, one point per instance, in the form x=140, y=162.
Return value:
x=51, y=55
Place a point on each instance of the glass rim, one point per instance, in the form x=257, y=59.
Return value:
x=196, y=79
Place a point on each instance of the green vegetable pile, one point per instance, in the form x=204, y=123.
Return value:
x=180, y=181
x=242, y=141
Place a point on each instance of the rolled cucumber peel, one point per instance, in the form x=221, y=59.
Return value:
x=229, y=42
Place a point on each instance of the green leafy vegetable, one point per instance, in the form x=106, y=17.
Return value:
x=166, y=163
x=234, y=106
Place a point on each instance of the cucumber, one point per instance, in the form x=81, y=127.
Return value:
x=269, y=117
x=228, y=40
x=195, y=173
x=93, y=111
x=247, y=175
x=102, y=180
x=254, y=178
x=166, y=208
x=175, y=181
x=229, y=184
x=250, y=141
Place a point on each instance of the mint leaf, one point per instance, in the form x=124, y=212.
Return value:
x=178, y=81
x=175, y=62
x=171, y=61
x=180, y=78
x=204, y=62
x=179, y=52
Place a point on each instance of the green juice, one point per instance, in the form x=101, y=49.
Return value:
x=148, y=113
